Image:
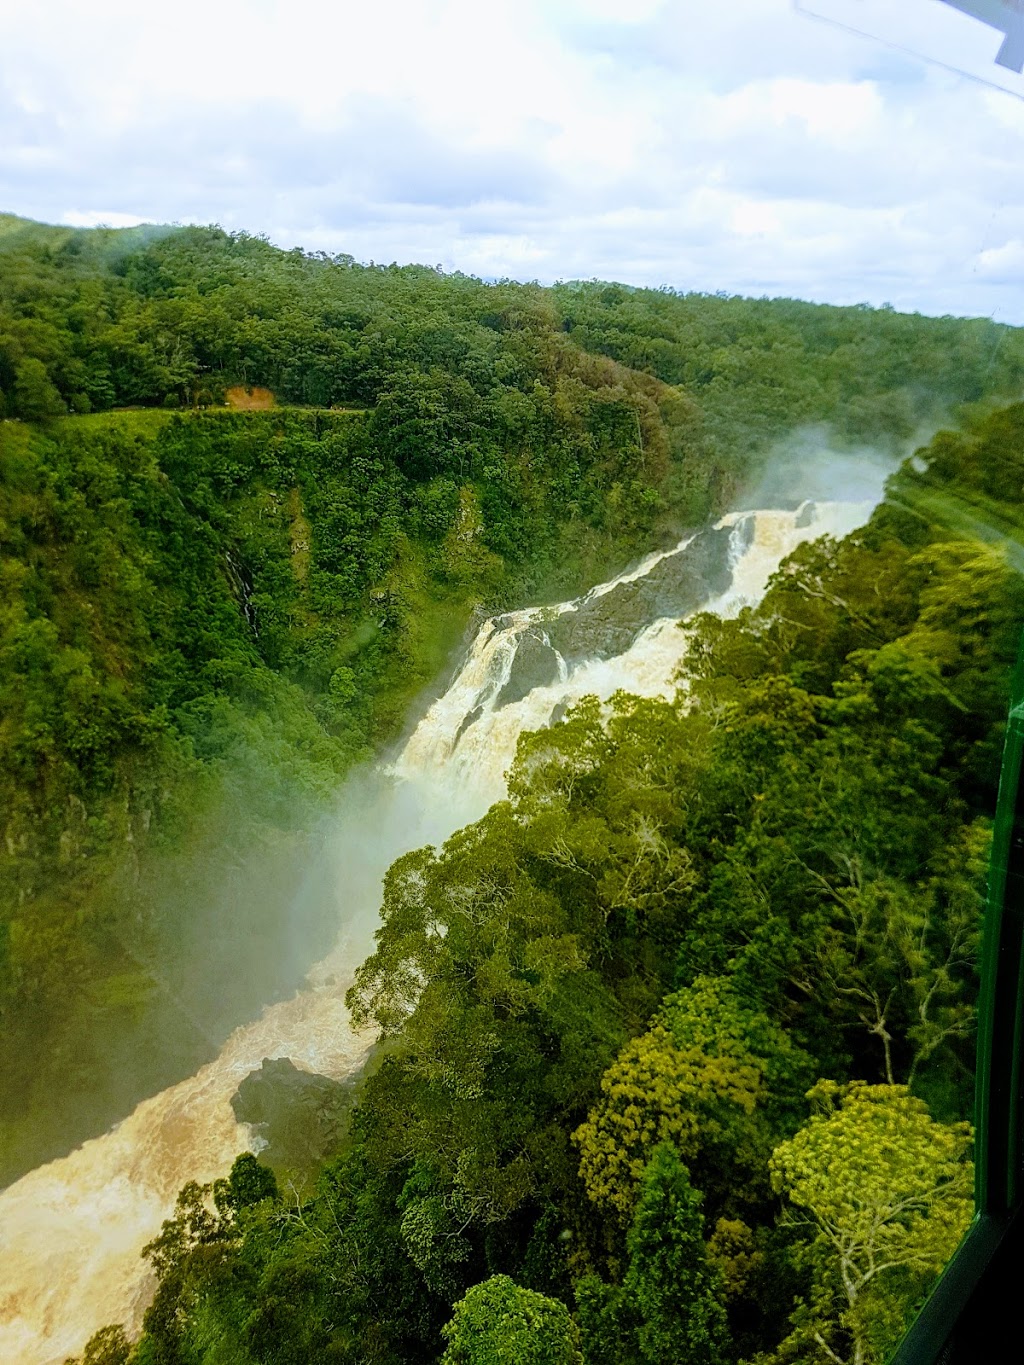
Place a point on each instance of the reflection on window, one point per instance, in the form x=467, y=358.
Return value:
x=982, y=39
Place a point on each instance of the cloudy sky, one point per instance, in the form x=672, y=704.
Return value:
x=703, y=144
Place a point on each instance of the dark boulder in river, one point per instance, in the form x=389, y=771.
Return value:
x=300, y=1117
x=605, y=624
x=535, y=665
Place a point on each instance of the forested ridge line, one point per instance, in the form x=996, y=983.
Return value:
x=679, y=1038
x=98, y=318
x=209, y=616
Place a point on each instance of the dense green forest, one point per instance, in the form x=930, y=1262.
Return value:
x=209, y=616
x=680, y=1035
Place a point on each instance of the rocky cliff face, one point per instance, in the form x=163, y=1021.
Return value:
x=296, y=1117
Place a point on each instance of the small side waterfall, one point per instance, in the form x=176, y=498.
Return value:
x=71, y=1231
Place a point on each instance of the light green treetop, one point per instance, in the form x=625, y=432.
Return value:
x=499, y=1323
x=700, y=1070
x=886, y=1194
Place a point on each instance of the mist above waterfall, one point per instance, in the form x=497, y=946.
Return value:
x=811, y=465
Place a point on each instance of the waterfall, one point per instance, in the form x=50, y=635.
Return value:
x=71, y=1231
x=525, y=668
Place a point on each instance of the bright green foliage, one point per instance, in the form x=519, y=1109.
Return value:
x=499, y=1323
x=675, y=1289
x=144, y=315
x=885, y=1194
x=484, y=961
x=248, y=1184
x=694, y=1079
x=148, y=729
x=853, y=884
x=669, y=1305
x=33, y=395
x=751, y=363
x=608, y=1323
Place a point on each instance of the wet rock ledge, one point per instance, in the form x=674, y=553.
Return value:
x=298, y=1117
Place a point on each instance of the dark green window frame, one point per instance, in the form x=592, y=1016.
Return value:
x=977, y=1300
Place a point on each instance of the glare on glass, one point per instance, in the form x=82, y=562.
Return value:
x=981, y=39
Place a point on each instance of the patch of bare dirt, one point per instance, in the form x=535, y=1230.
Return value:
x=249, y=399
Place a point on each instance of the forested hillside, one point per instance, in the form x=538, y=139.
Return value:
x=679, y=1036
x=91, y=320
x=208, y=616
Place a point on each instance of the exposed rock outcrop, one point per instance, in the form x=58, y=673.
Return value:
x=299, y=1116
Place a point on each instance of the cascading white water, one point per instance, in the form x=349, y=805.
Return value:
x=71, y=1231
x=474, y=757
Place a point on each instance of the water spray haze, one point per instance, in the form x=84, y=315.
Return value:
x=71, y=1232
x=812, y=465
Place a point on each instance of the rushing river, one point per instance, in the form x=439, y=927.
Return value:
x=71, y=1231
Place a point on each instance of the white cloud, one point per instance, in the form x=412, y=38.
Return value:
x=1004, y=264
x=735, y=146
x=99, y=218
x=836, y=112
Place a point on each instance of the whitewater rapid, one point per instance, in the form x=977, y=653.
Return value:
x=71, y=1231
